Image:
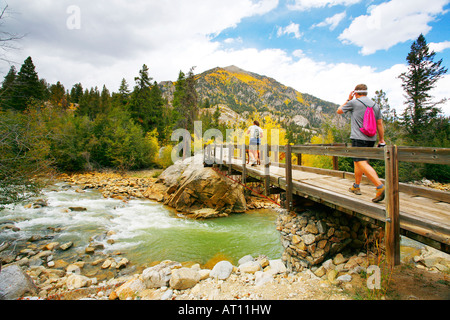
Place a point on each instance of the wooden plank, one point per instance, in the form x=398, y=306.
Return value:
x=370, y=153
x=430, y=230
x=416, y=234
x=425, y=207
x=289, y=199
x=392, y=234
x=408, y=154
x=438, y=195
x=244, y=168
x=337, y=199
x=424, y=155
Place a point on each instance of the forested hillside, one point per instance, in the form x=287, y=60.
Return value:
x=246, y=92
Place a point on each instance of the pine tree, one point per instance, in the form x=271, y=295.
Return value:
x=28, y=86
x=89, y=103
x=8, y=89
x=157, y=104
x=185, y=101
x=191, y=99
x=421, y=77
x=76, y=93
x=124, y=92
x=178, y=97
x=105, y=100
x=146, y=103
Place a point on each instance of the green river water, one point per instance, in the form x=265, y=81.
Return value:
x=145, y=231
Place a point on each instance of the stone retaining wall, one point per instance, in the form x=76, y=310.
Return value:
x=311, y=237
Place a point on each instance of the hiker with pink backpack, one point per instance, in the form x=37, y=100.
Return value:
x=365, y=123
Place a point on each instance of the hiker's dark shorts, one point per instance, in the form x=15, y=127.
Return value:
x=362, y=143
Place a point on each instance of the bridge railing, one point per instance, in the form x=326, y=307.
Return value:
x=390, y=154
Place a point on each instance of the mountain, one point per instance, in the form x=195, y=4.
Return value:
x=244, y=92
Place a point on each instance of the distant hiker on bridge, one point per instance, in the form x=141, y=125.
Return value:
x=256, y=134
x=365, y=122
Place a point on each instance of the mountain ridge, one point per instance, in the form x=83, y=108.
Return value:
x=246, y=92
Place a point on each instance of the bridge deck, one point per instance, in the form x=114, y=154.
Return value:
x=425, y=218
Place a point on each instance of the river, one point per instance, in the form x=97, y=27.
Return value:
x=144, y=231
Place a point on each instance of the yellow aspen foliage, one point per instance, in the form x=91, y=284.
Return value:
x=317, y=161
x=152, y=140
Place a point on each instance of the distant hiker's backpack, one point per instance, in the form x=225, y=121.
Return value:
x=256, y=133
x=369, y=127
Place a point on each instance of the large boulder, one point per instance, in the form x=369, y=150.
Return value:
x=193, y=189
x=159, y=275
x=15, y=283
x=184, y=278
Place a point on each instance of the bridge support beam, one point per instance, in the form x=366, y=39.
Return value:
x=392, y=231
x=289, y=187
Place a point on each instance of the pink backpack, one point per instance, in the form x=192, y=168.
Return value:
x=369, y=127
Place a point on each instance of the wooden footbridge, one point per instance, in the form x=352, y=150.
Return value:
x=416, y=212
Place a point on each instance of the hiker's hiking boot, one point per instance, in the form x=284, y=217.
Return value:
x=355, y=190
x=380, y=195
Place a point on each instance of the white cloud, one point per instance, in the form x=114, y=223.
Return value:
x=233, y=40
x=309, y=4
x=440, y=46
x=328, y=81
x=118, y=36
x=390, y=23
x=113, y=44
x=292, y=28
x=333, y=21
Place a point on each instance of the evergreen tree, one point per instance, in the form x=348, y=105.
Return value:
x=388, y=114
x=28, y=86
x=105, y=101
x=191, y=99
x=76, y=93
x=58, y=95
x=139, y=101
x=185, y=101
x=124, y=92
x=178, y=96
x=421, y=77
x=89, y=103
x=8, y=89
x=146, y=103
x=157, y=104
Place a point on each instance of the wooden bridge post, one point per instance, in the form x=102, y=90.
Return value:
x=244, y=168
x=230, y=157
x=288, y=158
x=299, y=159
x=266, y=163
x=392, y=228
x=335, y=163
x=221, y=157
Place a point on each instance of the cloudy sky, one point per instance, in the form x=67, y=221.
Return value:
x=321, y=47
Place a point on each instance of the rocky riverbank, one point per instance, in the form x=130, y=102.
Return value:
x=34, y=274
